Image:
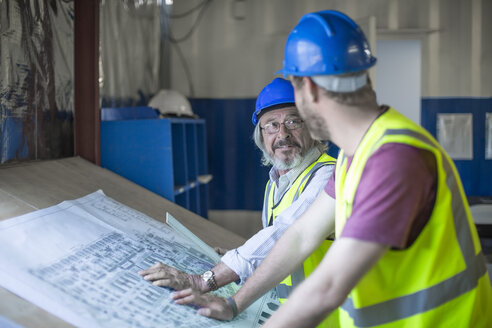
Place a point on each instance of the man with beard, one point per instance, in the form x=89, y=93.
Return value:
x=407, y=252
x=300, y=169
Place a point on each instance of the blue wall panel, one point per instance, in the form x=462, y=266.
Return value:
x=476, y=174
x=139, y=150
x=234, y=160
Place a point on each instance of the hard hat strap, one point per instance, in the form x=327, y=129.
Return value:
x=337, y=83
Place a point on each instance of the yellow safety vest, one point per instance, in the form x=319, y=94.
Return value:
x=441, y=279
x=272, y=210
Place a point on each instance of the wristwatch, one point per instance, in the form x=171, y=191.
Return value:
x=209, y=278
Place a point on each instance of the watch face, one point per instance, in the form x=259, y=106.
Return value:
x=207, y=275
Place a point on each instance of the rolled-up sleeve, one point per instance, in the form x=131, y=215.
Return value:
x=246, y=258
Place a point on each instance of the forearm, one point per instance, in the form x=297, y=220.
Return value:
x=328, y=286
x=285, y=258
x=270, y=273
x=296, y=244
x=307, y=306
x=245, y=259
x=224, y=275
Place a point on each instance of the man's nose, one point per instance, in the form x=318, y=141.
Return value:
x=283, y=131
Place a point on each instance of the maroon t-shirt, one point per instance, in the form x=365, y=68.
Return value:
x=395, y=196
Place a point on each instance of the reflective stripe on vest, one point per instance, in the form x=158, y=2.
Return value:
x=434, y=296
x=265, y=216
x=284, y=289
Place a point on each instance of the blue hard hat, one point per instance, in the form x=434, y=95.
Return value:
x=278, y=92
x=326, y=43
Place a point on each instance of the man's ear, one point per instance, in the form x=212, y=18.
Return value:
x=311, y=88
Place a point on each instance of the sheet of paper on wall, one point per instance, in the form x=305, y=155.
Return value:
x=79, y=260
x=488, y=135
x=449, y=126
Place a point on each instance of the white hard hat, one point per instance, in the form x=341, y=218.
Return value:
x=171, y=103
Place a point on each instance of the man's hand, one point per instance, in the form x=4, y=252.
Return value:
x=165, y=276
x=210, y=305
x=219, y=250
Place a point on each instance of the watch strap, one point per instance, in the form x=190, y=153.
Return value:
x=212, y=284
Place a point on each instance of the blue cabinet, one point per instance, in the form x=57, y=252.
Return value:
x=166, y=156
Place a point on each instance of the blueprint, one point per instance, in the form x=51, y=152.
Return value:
x=79, y=260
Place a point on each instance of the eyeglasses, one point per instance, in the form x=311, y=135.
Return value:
x=274, y=127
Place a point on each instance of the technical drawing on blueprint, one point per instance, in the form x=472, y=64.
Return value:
x=79, y=260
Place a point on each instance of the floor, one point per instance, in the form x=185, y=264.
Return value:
x=243, y=223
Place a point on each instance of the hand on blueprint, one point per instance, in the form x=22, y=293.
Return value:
x=166, y=276
x=210, y=305
x=219, y=250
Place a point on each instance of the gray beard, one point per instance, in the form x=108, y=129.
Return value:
x=284, y=165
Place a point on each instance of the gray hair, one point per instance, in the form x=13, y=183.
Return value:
x=265, y=158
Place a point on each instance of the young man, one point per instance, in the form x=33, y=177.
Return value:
x=407, y=253
x=300, y=169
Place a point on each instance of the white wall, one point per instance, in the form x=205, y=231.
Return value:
x=398, y=76
x=235, y=57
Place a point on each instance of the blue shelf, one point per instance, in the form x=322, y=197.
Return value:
x=166, y=156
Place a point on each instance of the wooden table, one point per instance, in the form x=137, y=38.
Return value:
x=27, y=187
